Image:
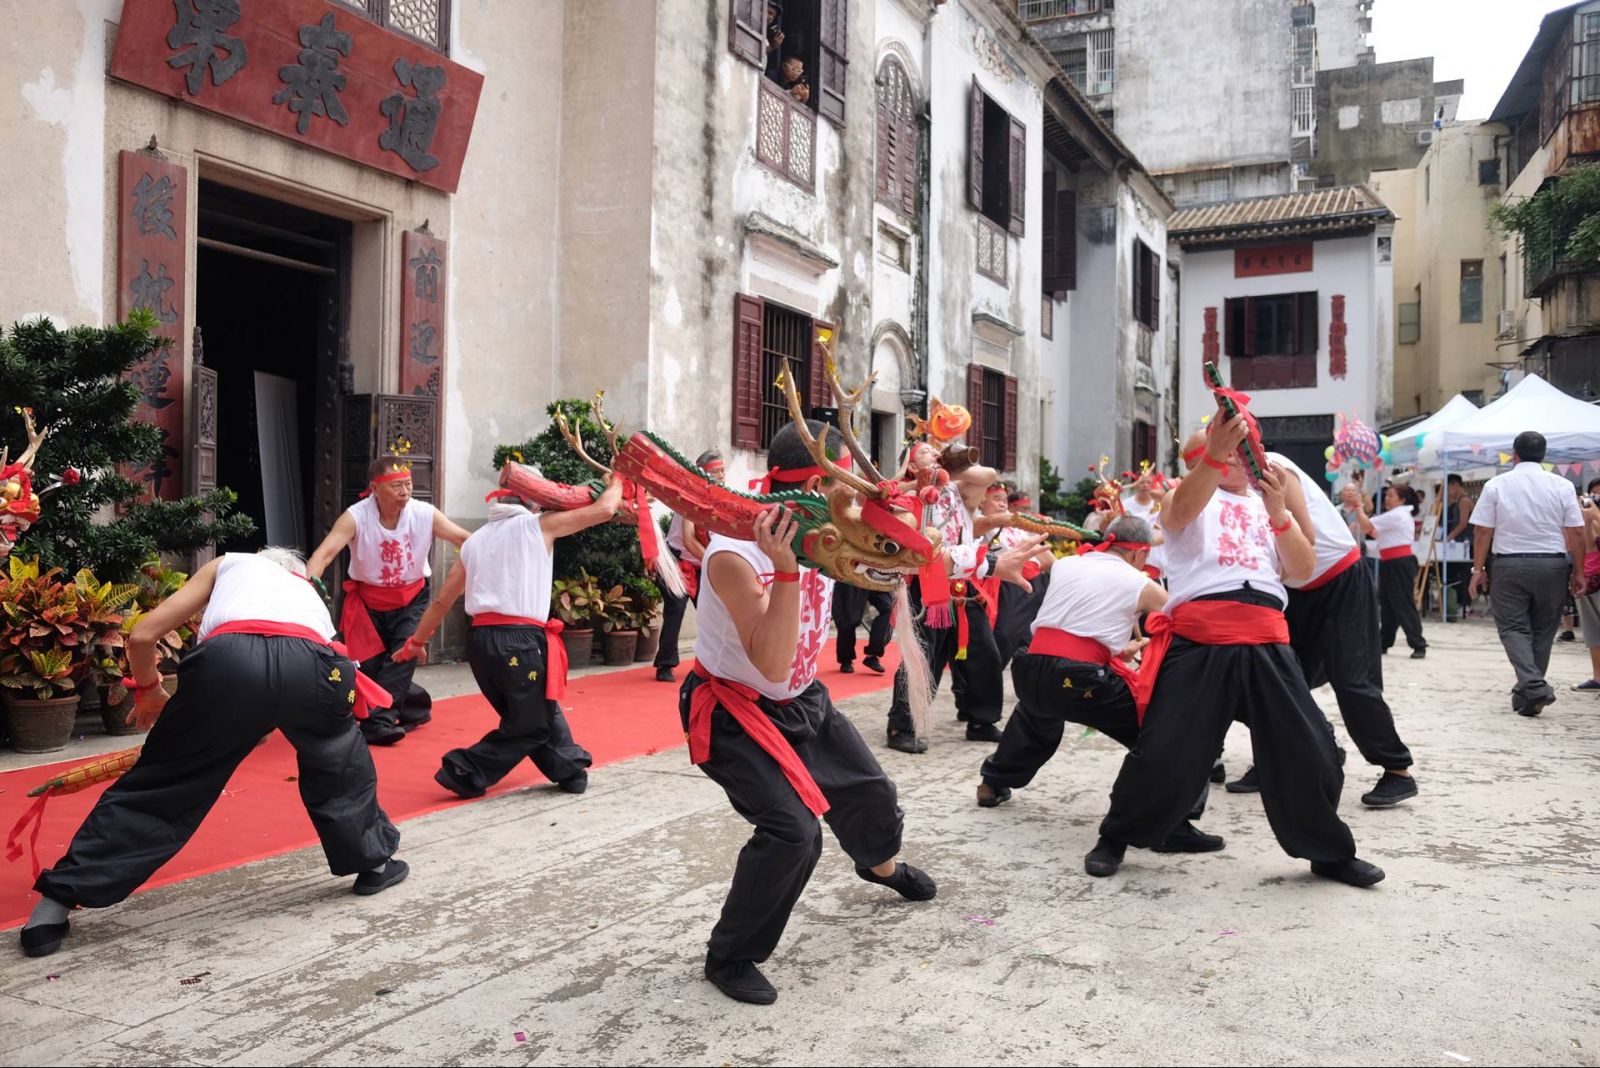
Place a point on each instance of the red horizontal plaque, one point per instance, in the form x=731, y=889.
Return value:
x=1272, y=259
x=311, y=71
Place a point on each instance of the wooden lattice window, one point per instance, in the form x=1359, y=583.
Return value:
x=426, y=20
x=897, y=138
x=786, y=135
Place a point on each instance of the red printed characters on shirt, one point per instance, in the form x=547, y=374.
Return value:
x=1244, y=540
x=395, y=562
x=815, y=609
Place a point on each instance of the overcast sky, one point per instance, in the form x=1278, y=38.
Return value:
x=1481, y=41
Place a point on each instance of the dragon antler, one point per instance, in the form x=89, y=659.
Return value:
x=35, y=439
x=609, y=429
x=847, y=402
x=575, y=439
x=816, y=448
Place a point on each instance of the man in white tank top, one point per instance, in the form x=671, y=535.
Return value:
x=1221, y=652
x=763, y=728
x=688, y=546
x=1016, y=607
x=1333, y=627
x=506, y=570
x=265, y=662
x=390, y=535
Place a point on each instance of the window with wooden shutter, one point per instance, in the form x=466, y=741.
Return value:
x=975, y=402
x=747, y=30
x=1018, y=163
x=1273, y=341
x=1059, y=237
x=831, y=61
x=1009, y=462
x=977, y=103
x=897, y=138
x=747, y=346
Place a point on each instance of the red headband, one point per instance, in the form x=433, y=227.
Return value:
x=1108, y=540
x=389, y=476
x=763, y=484
x=494, y=495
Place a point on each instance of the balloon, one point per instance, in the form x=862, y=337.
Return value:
x=1385, y=456
x=1332, y=476
x=1428, y=457
x=1420, y=439
x=1358, y=443
x=1327, y=454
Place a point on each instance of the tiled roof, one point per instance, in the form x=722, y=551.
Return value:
x=1315, y=211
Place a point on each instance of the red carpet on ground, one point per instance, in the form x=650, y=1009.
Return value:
x=615, y=715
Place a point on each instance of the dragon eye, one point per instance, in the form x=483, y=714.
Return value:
x=891, y=548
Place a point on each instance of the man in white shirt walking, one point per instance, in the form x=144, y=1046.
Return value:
x=1531, y=520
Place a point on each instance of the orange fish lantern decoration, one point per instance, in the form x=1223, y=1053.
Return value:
x=945, y=422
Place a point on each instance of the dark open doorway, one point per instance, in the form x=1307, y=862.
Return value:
x=271, y=284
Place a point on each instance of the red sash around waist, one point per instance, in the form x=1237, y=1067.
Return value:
x=1395, y=552
x=1346, y=562
x=355, y=619
x=1048, y=641
x=1208, y=623
x=739, y=701
x=555, y=650
x=368, y=693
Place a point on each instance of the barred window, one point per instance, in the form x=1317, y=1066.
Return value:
x=426, y=20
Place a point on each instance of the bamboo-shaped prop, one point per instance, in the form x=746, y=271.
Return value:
x=1232, y=403
x=79, y=777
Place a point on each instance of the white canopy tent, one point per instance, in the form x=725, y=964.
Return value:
x=1403, y=445
x=1571, y=429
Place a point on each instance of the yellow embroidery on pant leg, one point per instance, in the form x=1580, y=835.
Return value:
x=334, y=676
x=514, y=662
x=350, y=698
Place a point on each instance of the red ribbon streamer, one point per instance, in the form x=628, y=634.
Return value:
x=355, y=619
x=1210, y=623
x=739, y=701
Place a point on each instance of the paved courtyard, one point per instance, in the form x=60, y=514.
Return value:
x=539, y=928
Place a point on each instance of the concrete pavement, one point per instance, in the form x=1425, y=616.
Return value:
x=580, y=923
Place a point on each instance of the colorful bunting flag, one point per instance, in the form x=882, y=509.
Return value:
x=1477, y=448
x=1505, y=457
x=1548, y=466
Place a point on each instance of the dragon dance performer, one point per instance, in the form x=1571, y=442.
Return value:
x=850, y=604
x=1075, y=668
x=763, y=728
x=1333, y=627
x=687, y=547
x=1016, y=608
x=517, y=657
x=954, y=629
x=390, y=534
x=266, y=660
x=1221, y=652
x=1149, y=489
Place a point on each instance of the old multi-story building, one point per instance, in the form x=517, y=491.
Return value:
x=1550, y=301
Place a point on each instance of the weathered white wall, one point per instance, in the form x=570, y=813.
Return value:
x=963, y=45
x=1203, y=83
x=1340, y=38
x=1345, y=265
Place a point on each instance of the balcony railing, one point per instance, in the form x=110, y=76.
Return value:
x=786, y=135
x=1041, y=10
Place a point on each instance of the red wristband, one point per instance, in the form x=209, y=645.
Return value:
x=129, y=683
x=1288, y=522
x=786, y=576
x=1215, y=465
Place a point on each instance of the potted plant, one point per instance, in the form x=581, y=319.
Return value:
x=106, y=607
x=157, y=582
x=43, y=650
x=574, y=601
x=647, y=600
x=620, y=620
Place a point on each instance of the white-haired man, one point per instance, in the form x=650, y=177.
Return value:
x=265, y=661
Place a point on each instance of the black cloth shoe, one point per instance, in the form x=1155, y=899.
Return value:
x=1566, y=636
x=1105, y=858
x=577, y=784
x=1246, y=783
x=409, y=724
x=1218, y=772
x=1190, y=839
x=907, y=742
x=381, y=733
x=43, y=939
x=741, y=980
x=992, y=796
x=983, y=732
x=1523, y=707
x=847, y=669
x=664, y=674
x=447, y=778
x=913, y=884
x=872, y=663
x=375, y=882
x=1355, y=871
x=1419, y=654
x=1391, y=790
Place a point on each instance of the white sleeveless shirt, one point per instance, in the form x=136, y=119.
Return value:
x=1333, y=541
x=252, y=587
x=509, y=570
x=1228, y=544
x=1095, y=595
x=717, y=645
x=398, y=557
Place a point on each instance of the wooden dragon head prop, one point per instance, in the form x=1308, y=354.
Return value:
x=19, y=504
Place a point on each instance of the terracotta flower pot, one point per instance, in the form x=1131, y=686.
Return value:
x=580, y=646
x=619, y=646
x=649, y=643
x=114, y=716
x=40, y=726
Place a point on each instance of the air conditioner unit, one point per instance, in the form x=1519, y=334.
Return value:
x=1425, y=137
x=1506, y=324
